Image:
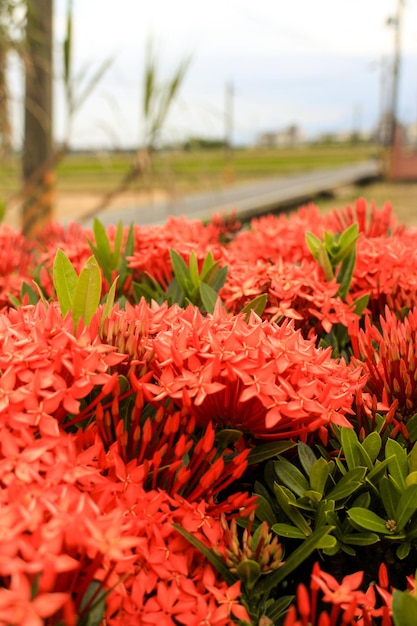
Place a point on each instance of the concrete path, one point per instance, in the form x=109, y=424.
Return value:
x=247, y=200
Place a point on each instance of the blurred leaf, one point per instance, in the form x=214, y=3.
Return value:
x=208, y=297
x=249, y=572
x=265, y=451
x=404, y=608
x=65, y=279
x=87, y=293
x=257, y=305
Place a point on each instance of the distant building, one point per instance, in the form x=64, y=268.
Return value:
x=288, y=137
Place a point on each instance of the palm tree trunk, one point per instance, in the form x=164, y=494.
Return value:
x=37, y=162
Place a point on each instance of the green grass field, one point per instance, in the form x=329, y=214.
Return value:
x=187, y=170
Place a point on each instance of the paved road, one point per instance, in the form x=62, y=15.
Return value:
x=247, y=200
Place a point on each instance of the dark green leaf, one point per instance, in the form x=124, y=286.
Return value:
x=372, y=444
x=306, y=456
x=368, y=520
x=398, y=463
x=390, y=496
x=291, y=477
x=351, y=481
x=257, y=305
x=288, y=531
x=264, y=511
x=266, y=451
x=285, y=499
x=181, y=271
x=407, y=506
x=319, y=473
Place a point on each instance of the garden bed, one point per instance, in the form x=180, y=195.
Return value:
x=205, y=424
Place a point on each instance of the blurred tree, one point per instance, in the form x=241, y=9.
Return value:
x=11, y=35
x=38, y=158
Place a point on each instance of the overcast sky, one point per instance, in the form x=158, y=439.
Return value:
x=321, y=64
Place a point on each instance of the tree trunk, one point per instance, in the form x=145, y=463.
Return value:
x=5, y=128
x=38, y=166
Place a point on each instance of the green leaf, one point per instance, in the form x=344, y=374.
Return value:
x=398, y=464
x=257, y=305
x=220, y=566
x=372, y=444
x=368, y=520
x=412, y=428
x=208, y=263
x=288, y=531
x=360, y=539
x=194, y=273
x=306, y=456
x=93, y=604
x=403, y=550
x=324, y=261
x=267, y=451
x=181, y=271
x=344, y=276
x=291, y=477
x=123, y=270
x=65, y=279
x=319, y=473
x=216, y=276
x=286, y=500
x=407, y=506
x=404, y=608
x=351, y=481
x=360, y=304
x=117, y=246
x=390, y=496
x=108, y=307
x=314, y=244
x=208, y=297
x=412, y=460
x=350, y=446
x=264, y=511
x=87, y=293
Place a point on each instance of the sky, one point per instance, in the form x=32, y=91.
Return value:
x=324, y=65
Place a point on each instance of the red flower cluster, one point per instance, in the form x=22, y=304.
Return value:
x=263, y=379
x=72, y=536
x=330, y=603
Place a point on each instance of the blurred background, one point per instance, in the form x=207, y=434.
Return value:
x=149, y=99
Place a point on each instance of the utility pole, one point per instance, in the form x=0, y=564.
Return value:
x=228, y=132
x=396, y=23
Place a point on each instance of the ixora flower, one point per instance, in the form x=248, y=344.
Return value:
x=46, y=370
x=389, y=357
x=263, y=379
x=73, y=536
x=332, y=603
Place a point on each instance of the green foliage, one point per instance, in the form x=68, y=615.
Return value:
x=336, y=255
x=78, y=294
x=366, y=494
x=404, y=607
x=189, y=285
x=113, y=259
